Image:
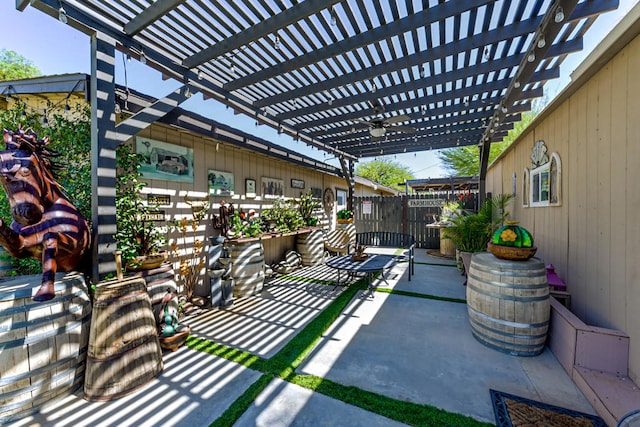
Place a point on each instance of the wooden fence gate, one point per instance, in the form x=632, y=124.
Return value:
x=404, y=214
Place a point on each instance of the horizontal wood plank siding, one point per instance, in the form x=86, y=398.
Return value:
x=592, y=238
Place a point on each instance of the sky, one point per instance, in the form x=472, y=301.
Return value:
x=56, y=48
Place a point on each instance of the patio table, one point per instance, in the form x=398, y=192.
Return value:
x=373, y=263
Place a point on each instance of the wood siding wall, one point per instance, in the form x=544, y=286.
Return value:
x=593, y=238
x=243, y=164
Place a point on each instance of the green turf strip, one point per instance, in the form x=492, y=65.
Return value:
x=284, y=363
x=406, y=412
x=418, y=295
x=435, y=263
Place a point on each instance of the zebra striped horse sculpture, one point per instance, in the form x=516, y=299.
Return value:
x=46, y=225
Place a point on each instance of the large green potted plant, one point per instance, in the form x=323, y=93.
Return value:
x=306, y=206
x=471, y=232
x=138, y=240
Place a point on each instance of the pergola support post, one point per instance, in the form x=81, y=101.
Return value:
x=103, y=155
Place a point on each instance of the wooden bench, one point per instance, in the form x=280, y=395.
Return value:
x=597, y=361
x=388, y=239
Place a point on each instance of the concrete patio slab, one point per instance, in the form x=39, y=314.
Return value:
x=404, y=347
x=282, y=404
x=193, y=390
x=422, y=350
x=264, y=323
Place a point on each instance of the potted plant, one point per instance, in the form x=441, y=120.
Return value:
x=471, y=232
x=283, y=216
x=138, y=239
x=307, y=205
x=345, y=216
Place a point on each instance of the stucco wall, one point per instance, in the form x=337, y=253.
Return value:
x=593, y=237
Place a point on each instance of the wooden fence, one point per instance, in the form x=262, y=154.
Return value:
x=405, y=214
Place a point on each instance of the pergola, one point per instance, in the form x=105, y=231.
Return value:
x=355, y=78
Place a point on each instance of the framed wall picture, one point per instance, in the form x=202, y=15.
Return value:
x=250, y=187
x=220, y=183
x=317, y=192
x=297, y=183
x=272, y=188
x=165, y=161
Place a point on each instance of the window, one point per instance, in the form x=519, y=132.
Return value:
x=544, y=183
x=341, y=199
x=540, y=186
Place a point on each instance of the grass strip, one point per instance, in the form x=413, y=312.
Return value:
x=293, y=353
x=406, y=412
x=284, y=363
x=242, y=403
x=238, y=356
x=435, y=263
x=418, y=295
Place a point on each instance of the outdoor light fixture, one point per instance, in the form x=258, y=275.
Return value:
x=143, y=58
x=233, y=68
x=516, y=84
x=128, y=57
x=559, y=17
x=200, y=74
x=423, y=72
x=504, y=109
x=276, y=44
x=187, y=92
x=531, y=57
x=377, y=132
x=373, y=87
x=62, y=15
x=334, y=17
x=541, y=42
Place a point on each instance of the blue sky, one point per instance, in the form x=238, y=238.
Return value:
x=56, y=48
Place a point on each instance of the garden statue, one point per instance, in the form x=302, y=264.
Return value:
x=46, y=225
x=223, y=221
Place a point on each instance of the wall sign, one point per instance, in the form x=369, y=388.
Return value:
x=158, y=199
x=426, y=203
x=154, y=216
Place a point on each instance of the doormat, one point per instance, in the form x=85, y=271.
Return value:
x=516, y=411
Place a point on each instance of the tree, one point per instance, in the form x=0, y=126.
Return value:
x=14, y=66
x=385, y=172
x=465, y=161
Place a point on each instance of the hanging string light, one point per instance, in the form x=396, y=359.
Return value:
x=62, y=15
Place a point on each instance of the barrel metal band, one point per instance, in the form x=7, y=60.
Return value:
x=500, y=296
x=507, y=322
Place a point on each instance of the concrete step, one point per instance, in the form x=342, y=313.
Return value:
x=612, y=396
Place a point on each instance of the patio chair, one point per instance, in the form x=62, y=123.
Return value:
x=340, y=241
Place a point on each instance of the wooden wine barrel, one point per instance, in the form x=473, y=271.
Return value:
x=248, y=285
x=508, y=304
x=247, y=267
x=311, y=247
x=43, y=345
x=124, y=352
x=158, y=281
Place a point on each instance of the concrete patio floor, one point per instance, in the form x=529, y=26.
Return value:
x=405, y=347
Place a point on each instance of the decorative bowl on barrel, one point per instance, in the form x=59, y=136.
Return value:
x=512, y=242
